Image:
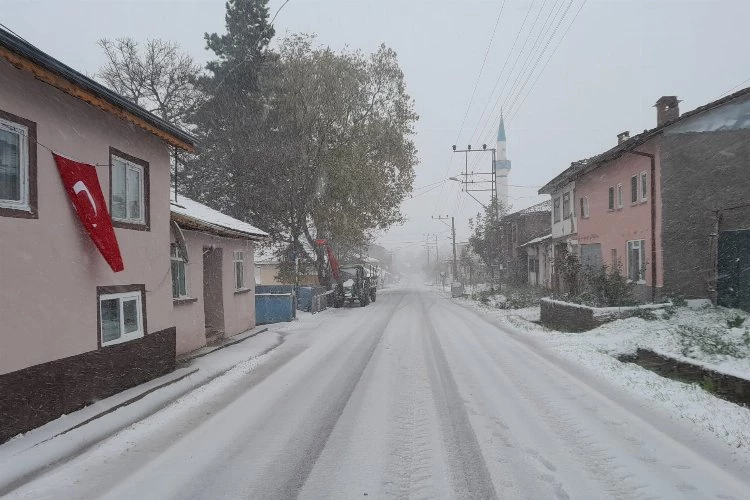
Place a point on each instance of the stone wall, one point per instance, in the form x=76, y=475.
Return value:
x=567, y=317
x=731, y=388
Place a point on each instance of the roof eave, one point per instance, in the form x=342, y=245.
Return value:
x=192, y=223
x=44, y=67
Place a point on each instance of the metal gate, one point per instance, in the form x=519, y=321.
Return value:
x=733, y=285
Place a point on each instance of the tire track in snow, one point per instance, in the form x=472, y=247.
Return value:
x=409, y=473
x=286, y=476
x=469, y=474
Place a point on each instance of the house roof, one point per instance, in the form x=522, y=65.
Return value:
x=539, y=208
x=538, y=240
x=190, y=214
x=46, y=68
x=580, y=167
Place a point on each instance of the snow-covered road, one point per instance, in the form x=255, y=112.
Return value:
x=411, y=397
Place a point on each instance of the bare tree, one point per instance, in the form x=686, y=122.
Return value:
x=157, y=76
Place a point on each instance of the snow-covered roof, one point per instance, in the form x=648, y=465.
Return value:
x=194, y=215
x=538, y=240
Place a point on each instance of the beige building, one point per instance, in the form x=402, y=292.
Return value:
x=73, y=331
x=213, y=290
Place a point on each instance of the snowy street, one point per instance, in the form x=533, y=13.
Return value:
x=413, y=396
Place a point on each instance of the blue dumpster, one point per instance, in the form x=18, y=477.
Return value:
x=274, y=304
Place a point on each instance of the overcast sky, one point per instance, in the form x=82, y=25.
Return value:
x=613, y=63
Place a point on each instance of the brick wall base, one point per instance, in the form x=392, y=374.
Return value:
x=36, y=395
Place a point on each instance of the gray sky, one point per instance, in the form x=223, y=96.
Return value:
x=613, y=64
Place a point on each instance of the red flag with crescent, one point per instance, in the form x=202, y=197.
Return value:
x=82, y=185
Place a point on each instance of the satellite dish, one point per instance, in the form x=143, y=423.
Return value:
x=179, y=239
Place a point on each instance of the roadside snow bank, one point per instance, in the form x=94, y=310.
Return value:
x=696, y=334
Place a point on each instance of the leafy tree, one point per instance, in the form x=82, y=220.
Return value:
x=156, y=75
x=316, y=144
x=350, y=122
x=487, y=238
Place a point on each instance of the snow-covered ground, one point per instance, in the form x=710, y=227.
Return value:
x=697, y=333
x=413, y=396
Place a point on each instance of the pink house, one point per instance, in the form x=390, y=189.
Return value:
x=669, y=207
x=73, y=330
x=616, y=225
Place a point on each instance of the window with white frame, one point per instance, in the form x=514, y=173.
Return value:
x=619, y=196
x=636, y=260
x=611, y=198
x=566, y=206
x=14, y=165
x=120, y=317
x=239, y=269
x=644, y=186
x=179, y=278
x=634, y=189
x=128, y=203
x=556, y=209
x=585, y=207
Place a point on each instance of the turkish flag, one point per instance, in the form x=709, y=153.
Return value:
x=82, y=185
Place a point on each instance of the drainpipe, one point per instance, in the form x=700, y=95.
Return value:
x=652, y=157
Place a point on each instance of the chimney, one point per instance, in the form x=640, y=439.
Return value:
x=667, y=109
x=623, y=136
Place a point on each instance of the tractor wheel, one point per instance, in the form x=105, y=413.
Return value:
x=373, y=294
x=364, y=300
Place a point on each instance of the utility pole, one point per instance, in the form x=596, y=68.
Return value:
x=473, y=182
x=453, y=233
x=437, y=261
x=427, y=246
x=453, y=237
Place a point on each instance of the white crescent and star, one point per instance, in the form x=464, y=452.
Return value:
x=81, y=186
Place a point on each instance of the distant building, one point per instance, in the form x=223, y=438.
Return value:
x=518, y=228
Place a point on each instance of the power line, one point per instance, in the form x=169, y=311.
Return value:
x=540, y=54
x=554, y=51
x=548, y=22
x=476, y=84
x=497, y=81
x=536, y=63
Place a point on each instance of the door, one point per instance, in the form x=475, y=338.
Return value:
x=213, y=296
x=733, y=285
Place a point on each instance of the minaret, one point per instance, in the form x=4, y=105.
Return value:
x=502, y=166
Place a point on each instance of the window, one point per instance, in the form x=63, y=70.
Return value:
x=619, y=196
x=636, y=260
x=121, y=315
x=611, y=197
x=634, y=189
x=129, y=189
x=179, y=285
x=566, y=206
x=17, y=166
x=644, y=186
x=614, y=264
x=556, y=210
x=585, y=207
x=239, y=270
